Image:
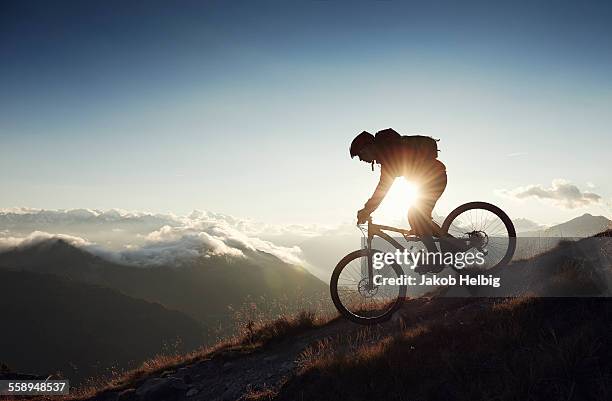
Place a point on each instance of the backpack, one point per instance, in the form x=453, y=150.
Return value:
x=424, y=147
x=413, y=146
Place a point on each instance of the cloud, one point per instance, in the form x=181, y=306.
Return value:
x=209, y=234
x=36, y=237
x=182, y=250
x=145, y=239
x=562, y=193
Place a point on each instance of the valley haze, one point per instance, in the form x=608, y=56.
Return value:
x=143, y=239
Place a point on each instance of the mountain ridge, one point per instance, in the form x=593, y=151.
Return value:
x=582, y=226
x=221, y=281
x=56, y=324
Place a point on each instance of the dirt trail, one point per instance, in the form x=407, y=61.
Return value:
x=234, y=374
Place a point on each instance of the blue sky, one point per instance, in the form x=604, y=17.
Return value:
x=248, y=108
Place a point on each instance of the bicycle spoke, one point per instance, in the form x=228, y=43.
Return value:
x=484, y=230
x=361, y=299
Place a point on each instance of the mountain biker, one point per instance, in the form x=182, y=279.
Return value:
x=398, y=158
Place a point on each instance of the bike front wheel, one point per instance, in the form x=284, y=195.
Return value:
x=485, y=228
x=360, y=300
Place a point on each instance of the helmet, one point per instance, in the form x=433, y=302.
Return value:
x=360, y=142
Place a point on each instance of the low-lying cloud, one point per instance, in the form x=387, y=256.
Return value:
x=7, y=241
x=561, y=192
x=145, y=239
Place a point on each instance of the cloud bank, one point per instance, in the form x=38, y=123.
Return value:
x=36, y=237
x=146, y=239
x=561, y=192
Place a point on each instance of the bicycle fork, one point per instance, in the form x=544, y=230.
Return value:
x=370, y=282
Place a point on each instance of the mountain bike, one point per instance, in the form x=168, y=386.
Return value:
x=355, y=285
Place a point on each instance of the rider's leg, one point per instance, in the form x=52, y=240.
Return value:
x=420, y=225
x=432, y=185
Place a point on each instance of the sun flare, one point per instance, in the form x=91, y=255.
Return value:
x=400, y=197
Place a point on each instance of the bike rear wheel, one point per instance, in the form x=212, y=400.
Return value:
x=486, y=228
x=358, y=301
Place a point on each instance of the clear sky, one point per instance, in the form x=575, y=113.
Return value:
x=248, y=108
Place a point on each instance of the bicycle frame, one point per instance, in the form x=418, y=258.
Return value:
x=379, y=230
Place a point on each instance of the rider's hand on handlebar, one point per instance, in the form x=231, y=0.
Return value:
x=362, y=216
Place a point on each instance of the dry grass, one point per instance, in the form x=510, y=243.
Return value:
x=259, y=395
x=511, y=304
x=519, y=349
x=277, y=330
x=359, y=346
x=261, y=310
x=251, y=336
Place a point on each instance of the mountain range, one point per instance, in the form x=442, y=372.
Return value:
x=91, y=300
x=53, y=324
x=203, y=290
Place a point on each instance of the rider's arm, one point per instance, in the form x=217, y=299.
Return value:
x=385, y=182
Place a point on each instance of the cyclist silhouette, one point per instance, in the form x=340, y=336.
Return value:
x=410, y=157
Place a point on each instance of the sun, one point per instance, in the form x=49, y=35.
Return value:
x=400, y=197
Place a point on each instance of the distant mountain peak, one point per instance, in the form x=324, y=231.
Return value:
x=581, y=226
x=55, y=244
x=585, y=225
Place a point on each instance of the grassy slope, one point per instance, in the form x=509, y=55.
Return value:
x=493, y=349
x=522, y=349
x=437, y=349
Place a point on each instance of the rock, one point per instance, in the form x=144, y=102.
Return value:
x=128, y=395
x=167, y=373
x=166, y=389
x=192, y=391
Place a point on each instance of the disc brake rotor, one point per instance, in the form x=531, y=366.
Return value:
x=363, y=289
x=479, y=240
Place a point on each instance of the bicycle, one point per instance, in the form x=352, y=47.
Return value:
x=475, y=226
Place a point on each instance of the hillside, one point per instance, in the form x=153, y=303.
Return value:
x=203, y=290
x=434, y=348
x=53, y=325
x=578, y=227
